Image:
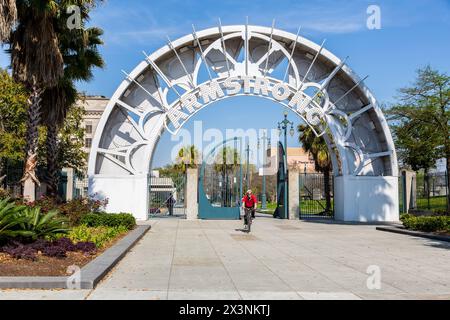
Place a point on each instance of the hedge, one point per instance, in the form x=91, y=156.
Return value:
x=109, y=220
x=427, y=224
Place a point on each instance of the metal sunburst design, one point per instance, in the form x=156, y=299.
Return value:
x=172, y=85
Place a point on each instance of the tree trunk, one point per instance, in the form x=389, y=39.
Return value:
x=52, y=175
x=30, y=179
x=427, y=187
x=327, y=189
x=2, y=173
x=448, y=184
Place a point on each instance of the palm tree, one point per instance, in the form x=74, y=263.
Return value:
x=188, y=157
x=80, y=54
x=37, y=63
x=318, y=148
x=8, y=17
x=227, y=160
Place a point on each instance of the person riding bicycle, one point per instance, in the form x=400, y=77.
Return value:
x=249, y=203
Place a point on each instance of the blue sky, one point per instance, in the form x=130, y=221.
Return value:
x=414, y=33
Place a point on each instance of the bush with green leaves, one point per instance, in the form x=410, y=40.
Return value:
x=109, y=220
x=74, y=210
x=426, y=224
x=9, y=220
x=100, y=236
x=42, y=225
x=17, y=221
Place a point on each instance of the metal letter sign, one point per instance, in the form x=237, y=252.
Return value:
x=298, y=101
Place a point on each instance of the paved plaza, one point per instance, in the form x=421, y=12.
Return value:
x=180, y=259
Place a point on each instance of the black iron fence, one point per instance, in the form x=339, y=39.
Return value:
x=316, y=196
x=424, y=192
x=12, y=174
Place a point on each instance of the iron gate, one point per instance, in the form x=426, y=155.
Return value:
x=221, y=182
x=167, y=194
x=316, y=196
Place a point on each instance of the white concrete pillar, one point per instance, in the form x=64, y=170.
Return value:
x=29, y=190
x=409, y=178
x=70, y=183
x=191, y=194
x=128, y=194
x=366, y=199
x=294, y=194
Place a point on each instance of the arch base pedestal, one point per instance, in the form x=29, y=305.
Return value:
x=127, y=194
x=366, y=199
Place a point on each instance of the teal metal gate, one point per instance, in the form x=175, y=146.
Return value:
x=282, y=182
x=221, y=182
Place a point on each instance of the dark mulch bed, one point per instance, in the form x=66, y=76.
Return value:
x=46, y=266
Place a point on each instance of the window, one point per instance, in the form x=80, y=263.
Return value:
x=89, y=128
x=88, y=143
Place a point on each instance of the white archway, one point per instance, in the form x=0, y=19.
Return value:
x=170, y=86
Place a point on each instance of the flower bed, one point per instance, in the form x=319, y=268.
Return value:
x=45, y=242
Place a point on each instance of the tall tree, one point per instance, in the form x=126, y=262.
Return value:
x=188, y=157
x=80, y=54
x=13, y=114
x=8, y=17
x=426, y=106
x=318, y=148
x=37, y=63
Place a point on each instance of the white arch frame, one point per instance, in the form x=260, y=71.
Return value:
x=352, y=160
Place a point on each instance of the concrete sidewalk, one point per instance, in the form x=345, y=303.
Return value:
x=181, y=259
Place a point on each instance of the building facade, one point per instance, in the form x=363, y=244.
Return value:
x=94, y=107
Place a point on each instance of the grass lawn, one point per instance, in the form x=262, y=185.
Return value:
x=436, y=203
x=311, y=207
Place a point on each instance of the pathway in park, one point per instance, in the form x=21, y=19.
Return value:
x=181, y=259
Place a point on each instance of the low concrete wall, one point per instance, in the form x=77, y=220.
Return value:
x=125, y=194
x=366, y=199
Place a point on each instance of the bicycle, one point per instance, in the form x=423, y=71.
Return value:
x=248, y=219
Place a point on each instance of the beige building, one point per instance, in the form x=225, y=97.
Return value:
x=94, y=107
x=297, y=157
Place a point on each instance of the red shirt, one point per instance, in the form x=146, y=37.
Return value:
x=250, y=203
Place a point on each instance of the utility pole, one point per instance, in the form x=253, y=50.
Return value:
x=265, y=142
x=282, y=128
x=247, y=177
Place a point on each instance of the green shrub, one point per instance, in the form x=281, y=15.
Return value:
x=98, y=235
x=42, y=225
x=109, y=220
x=427, y=224
x=73, y=210
x=29, y=223
x=10, y=219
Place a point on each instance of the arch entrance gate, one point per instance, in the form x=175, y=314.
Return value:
x=177, y=81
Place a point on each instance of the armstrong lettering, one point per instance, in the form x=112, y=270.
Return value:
x=281, y=92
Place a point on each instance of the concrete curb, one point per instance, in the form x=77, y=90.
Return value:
x=402, y=230
x=89, y=276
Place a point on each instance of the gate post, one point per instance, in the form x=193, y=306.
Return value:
x=191, y=194
x=294, y=193
x=409, y=189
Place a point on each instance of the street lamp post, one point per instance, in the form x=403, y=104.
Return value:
x=265, y=141
x=247, y=177
x=282, y=128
